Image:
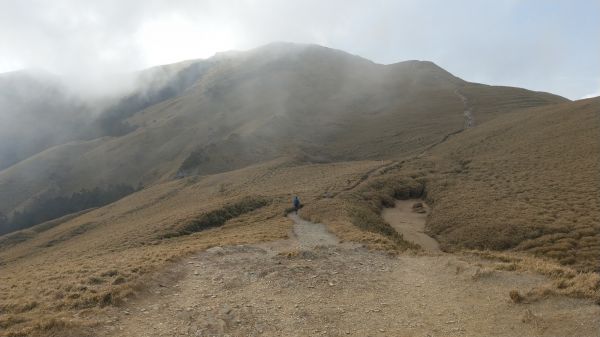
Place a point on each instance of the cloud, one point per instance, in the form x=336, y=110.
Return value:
x=534, y=44
x=596, y=94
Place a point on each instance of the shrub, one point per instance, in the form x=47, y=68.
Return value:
x=515, y=296
x=219, y=216
x=45, y=208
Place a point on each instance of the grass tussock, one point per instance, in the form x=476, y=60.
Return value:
x=563, y=280
x=51, y=327
x=516, y=296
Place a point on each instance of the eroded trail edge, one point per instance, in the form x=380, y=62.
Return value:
x=408, y=217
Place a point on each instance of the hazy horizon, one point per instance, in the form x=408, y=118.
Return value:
x=538, y=45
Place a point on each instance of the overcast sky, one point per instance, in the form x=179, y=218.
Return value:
x=548, y=45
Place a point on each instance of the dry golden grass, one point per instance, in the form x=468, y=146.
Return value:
x=515, y=296
x=264, y=104
x=105, y=256
x=527, y=180
x=564, y=281
x=355, y=215
x=489, y=102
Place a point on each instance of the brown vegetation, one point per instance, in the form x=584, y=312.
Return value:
x=77, y=269
x=527, y=181
x=564, y=280
x=522, y=181
x=515, y=296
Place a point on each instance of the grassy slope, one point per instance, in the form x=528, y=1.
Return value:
x=102, y=256
x=259, y=105
x=489, y=102
x=526, y=180
x=537, y=167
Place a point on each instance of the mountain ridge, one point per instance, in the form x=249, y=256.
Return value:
x=305, y=98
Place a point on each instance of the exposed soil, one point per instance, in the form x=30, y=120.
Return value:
x=468, y=113
x=312, y=286
x=309, y=235
x=410, y=222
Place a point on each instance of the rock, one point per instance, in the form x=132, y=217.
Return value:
x=216, y=250
x=417, y=205
x=226, y=310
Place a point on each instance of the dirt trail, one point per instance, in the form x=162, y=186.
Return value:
x=324, y=289
x=410, y=223
x=469, y=122
x=468, y=113
x=310, y=235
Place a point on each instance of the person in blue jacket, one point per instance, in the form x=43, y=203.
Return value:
x=296, y=203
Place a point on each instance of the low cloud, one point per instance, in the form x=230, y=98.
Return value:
x=596, y=94
x=533, y=44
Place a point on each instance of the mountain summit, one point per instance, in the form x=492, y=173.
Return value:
x=242, y=108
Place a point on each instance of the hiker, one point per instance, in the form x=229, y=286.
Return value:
x=296, y=204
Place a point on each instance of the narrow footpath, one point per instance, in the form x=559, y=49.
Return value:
x=310, y=285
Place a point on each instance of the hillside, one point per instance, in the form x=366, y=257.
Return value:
x=248, y=107
x=510, y=177
x=527, y=180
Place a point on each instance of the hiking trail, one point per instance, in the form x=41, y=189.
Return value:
x=309, y=285
x=468, y=112
x=469, y=122
x=310, y=235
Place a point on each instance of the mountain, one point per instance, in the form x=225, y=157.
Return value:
x=238, y=109
x=181, y=186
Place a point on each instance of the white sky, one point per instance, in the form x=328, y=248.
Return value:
x=537, y=44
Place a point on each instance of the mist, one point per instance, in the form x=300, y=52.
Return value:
x=95, y=47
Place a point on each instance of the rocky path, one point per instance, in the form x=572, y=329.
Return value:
x=311, y=286
x=309, y=235
x=469, y=122
x=468, y=113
